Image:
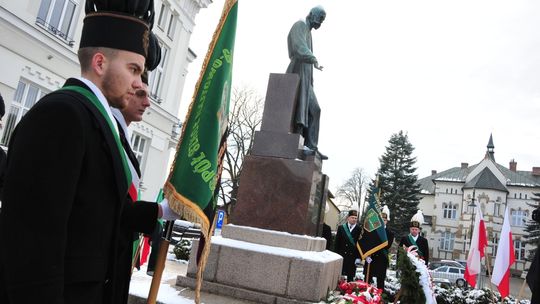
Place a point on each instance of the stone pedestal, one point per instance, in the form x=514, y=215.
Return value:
x=267, y=266
x=280, y=187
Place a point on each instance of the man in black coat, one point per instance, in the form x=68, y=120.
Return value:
x=327, y=234
x=414, y=238
x=345, y=245
x=67, y=178
x=380, y=259
x=3, y=155
x=133, y=112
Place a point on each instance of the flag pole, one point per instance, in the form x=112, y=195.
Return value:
x=137, y=252
x=488, y=265
x=160, y=262
x=367, y=274
x=520, y=295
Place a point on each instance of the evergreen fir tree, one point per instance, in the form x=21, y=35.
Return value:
x=533, y=229
x=398, y=183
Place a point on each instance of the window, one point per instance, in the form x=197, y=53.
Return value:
x=495, y=241
x=447, y=241
x=139, y=143
x=162, y=19
x=496, y=209
x=172, y=26
x=57, y=17
x=156, y=76
x=449, y=211
x=519, y=218
x=25, y=97
x=519, y=252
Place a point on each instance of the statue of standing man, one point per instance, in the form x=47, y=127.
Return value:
x=307, y=113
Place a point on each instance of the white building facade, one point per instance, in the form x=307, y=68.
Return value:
x=447, y=199
x=38, y=50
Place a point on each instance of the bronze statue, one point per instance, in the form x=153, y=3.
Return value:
x=307, y=113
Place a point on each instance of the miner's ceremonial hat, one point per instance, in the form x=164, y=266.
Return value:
x=123, y=25
x=116, y=31
x=417, y=220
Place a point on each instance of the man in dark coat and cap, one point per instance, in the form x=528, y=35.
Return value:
x=345, y=245
x=379, y=260
x=414, y=238
x=63, y=205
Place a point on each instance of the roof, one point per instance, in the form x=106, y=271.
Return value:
x=485, y=180
x=456, y=174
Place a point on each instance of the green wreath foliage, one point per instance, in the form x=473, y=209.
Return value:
x=411, y=292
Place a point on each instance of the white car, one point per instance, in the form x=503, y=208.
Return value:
x=452, y=274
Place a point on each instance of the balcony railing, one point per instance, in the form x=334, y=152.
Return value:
x=53, y=30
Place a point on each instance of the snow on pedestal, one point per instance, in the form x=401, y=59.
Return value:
x=264, y=265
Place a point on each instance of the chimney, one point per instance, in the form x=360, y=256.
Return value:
x=433, y=172
x=536, y=171
x=513, y=166
x=464, y=165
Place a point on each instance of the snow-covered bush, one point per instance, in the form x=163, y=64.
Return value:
x=182, y=250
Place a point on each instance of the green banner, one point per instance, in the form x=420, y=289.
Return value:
x=192, y=182
x=373, y=236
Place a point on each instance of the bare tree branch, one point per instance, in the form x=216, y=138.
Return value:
x=352, y=191
x=245, y=117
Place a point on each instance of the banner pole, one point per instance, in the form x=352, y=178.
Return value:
x=160, y=262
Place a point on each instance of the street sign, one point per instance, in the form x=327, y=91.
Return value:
x=220, y=217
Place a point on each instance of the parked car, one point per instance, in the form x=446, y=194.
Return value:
x=184, y=229
x=451, y=273
x=462, y=262
x=436, y=264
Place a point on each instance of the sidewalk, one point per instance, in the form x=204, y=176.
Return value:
x=169, y=293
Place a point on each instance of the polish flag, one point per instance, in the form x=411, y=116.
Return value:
x=504, y=259
x=476, y=251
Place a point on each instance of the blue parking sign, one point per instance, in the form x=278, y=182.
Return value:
x=220, y=217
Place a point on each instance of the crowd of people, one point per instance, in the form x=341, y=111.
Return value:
x=375, y=265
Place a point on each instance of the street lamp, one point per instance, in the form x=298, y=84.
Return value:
x=472, y=205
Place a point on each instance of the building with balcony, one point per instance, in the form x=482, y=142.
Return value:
x=38, y=51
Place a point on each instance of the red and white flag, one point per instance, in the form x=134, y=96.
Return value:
x=476, y=251
x=504, y=259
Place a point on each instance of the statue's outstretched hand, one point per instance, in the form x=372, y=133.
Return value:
x=317, y=66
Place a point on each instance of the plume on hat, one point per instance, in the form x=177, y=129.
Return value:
x=142, y=9
x=418, y=217
x=386, y=211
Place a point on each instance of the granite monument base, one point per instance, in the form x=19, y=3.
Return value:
x=267, y=266
x=280, y=194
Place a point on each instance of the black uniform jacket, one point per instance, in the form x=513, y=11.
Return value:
x=63, y=202
x=347, y=250
x=422, y=246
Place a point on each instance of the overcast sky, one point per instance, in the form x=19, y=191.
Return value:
x=449, y=73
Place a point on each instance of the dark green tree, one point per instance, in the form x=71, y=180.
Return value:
x=533, y=229
x=398, y=185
